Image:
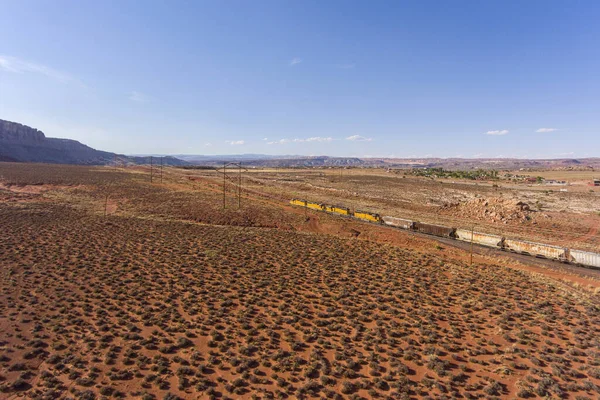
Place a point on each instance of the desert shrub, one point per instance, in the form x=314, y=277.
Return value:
x=348, y=387
x=594, y=373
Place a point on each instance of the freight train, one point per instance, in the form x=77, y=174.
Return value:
x=541, y=250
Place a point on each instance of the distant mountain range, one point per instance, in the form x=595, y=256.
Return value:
x=196, y=158
x=349, y=162
x=20, y=143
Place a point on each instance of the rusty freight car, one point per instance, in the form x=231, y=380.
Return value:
x=536, y=249
x=436, y=230
x=484, y=239
x=398, y=222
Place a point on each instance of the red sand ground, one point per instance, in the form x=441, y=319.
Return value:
x=165, y=299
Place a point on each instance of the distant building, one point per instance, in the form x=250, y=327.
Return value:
x=596, y=182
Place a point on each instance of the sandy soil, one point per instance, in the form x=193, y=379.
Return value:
x=170, y=296
x=565, y=218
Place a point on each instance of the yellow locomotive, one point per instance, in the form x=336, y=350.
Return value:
x=315, y=206
x=363, y=215
x=338, y=210
x=298, y=202
x=368, y=216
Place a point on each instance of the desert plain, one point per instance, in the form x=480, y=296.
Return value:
x=126, y=282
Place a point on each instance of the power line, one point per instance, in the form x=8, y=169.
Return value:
x=232, y=166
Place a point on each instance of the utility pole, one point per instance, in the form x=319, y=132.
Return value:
x=472, y=234
x=151, y=169
x=107, y=190
x=240, y=185
x=232, y=166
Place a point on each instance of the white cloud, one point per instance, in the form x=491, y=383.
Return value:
x=280, y=141
x=306, y=140
x=139, y=97
x=358, y=138
x=265, y=139
x=235, y=142
x=295, y=61
x=497, y=133
x=207, y=144
x=546, y=130
x=18, y=66
x=316, y=139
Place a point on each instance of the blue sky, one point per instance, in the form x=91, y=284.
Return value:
x=343, y=78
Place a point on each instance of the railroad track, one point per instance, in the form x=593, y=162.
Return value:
x=588, y=272
x=469, y=237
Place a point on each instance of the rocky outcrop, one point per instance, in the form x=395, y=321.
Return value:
x=12, y=132
x=493, y=210
x=26, y=144
x=19, y=142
